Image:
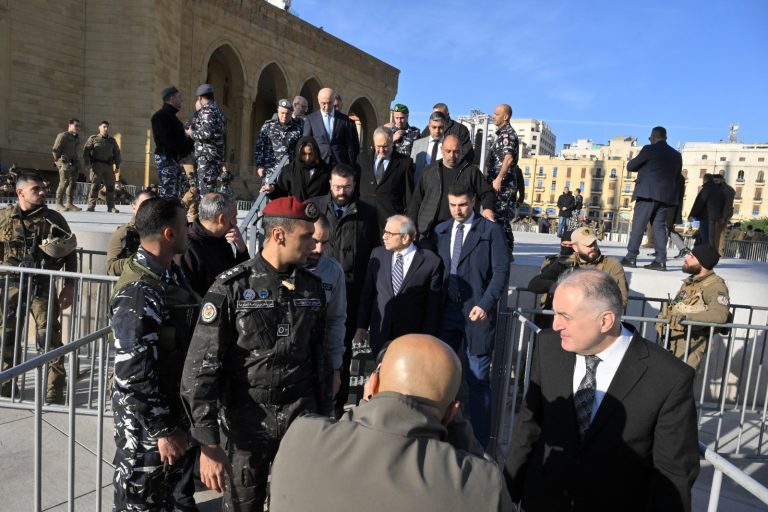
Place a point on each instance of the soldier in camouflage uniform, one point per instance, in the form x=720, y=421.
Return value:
x=66, y=154
x=124, y=242
x=503, y=173
x=152, y=313
x=702, y=298
x=25, y=229
x=171, y=144
x=403, y=135
x=276, y=144
x=257, y=358
x=100, y=154
x=208, y=131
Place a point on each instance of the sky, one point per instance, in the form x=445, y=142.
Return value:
x=592, y=69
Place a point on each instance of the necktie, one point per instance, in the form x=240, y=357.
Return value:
x=435, y=143
x=380, y=170
x=397, y=274
x=585, y=395
x=456, y=251
x=339, y=213
x=328, y=126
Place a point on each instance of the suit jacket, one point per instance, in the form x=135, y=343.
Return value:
x=419, y=156
x=657, y=166
x=415, y=308
x=639, y=453
x=344, y=144
x=462, y=132
x=482, y=274
x=391, y=196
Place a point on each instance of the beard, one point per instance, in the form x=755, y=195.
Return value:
x=589, y=259
x=692, y=269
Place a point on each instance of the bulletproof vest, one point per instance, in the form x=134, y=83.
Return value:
x=182, y=306
x=21, y=239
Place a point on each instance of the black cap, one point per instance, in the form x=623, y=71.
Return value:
x=203, y=90
x=168, y=91
x=707, y=255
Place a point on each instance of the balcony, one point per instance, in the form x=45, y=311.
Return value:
x=737, y=198
x=757, y=200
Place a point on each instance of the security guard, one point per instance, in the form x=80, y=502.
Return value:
x=66, y=154
x=124, y=242
x=152, y=314
x=257, y=354
x=33, y=236
x=503, y=173
x=276, y=144
x=100, y=154
x=702, y=298
x=208, y=131
x=403, y=134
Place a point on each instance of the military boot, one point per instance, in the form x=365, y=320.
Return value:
x=114, y=210
x=55, y=396
x=60, y=207
x=72, y=208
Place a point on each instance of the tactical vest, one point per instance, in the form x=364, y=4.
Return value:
x=689, y=299
x=175, y=333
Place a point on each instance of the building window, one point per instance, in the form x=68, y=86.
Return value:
x=741, y=159
x=538, y=198
x=740, y=176
x=581, y=185
x=554, y=185
x=612, y=185
x=568, y=184
x=761, y=159
x=551, y=198
x=627, y=187
x=722, y=159
x=613, y=173
x=738, y=193
x=755, y=210
x=527, y=170
x=539, y=184
x=760, y=176
x=527, y=182
x=626, y=202
x=583, y=173
x=568, y=172
x=758, y=194
x=541, y=171
x=703, y=157
x=554, y=172
x=736, y=210
x=534, y=138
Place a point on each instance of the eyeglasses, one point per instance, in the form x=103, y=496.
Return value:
x=389, y=233
x=339, y=188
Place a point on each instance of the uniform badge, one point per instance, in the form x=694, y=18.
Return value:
x=249, y=294
x=722, y=299
x=263, y=294
x=283, y=330
x=208, y=312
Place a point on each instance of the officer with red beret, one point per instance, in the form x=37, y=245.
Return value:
x=257, y=357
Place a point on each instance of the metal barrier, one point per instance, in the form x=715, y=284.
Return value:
x=37, y=365
x=723, y=467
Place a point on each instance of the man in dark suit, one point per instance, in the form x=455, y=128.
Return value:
x=457, y=129
x=608, y=422
x=385, y=177
x=475, y=257
x=708, y=209
x=334, y=132
x=401, y=294
x=657, y=167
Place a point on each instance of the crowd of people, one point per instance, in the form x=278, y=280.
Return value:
x=221, y=355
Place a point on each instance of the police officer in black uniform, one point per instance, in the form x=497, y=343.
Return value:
x=258, y=354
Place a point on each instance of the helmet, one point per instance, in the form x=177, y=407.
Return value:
x=60, y=246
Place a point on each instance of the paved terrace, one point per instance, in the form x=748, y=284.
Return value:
x=746, y=281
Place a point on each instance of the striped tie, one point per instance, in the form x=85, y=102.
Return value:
x=585, y=395
x=397, y=274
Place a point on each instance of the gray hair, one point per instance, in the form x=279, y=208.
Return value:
x=214, y=204
x=407, y=226
x=437, y=116
x=383, y=131
x=601, y=292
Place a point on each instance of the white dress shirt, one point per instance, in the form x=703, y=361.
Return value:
x=610, y=359
x=408, y=254
x=332, y=119
x=386, y=164
x=467, y=224
x=432, y=142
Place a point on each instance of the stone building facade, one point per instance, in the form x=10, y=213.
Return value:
x=97, y=59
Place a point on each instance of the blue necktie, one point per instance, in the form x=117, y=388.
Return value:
x=456, y=252
x=328, y=125
x=397, y=274
x=585, y=395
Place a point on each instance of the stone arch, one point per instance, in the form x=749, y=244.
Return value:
x=309, y=90
x=225, y=72
x=271, y=86
x=364, y=114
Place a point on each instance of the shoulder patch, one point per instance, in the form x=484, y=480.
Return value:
x=208, y=312
x=723, y=299
x=229, y=274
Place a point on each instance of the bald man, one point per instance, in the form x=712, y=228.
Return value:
x=335, y=133
x=404, y=449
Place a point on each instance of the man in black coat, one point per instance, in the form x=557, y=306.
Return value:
x=385, y=177
x=354, y=234
x=608, y=421
x=171, y=144
x=565, y=206
x=334, y=132
x=457, y=129
x=305, y=177
x=708, y=209
x=211, y=240
x=657, y=167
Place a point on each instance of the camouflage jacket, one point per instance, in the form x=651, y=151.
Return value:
x=150, y=339
x=22, y=234
x=701, y=299
x=405, y=143
x=506, y=143
x=275, y=142
x=209, y=128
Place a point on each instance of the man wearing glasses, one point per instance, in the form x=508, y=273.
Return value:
x=386, y=177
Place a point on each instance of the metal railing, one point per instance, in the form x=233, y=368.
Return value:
x=37, y=365
x=722, y=467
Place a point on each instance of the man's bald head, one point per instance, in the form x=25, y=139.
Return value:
x=423, y=366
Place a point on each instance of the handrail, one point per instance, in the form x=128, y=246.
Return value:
x=57, y=273
x=723, y=467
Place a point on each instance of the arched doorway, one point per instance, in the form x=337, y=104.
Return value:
x=271, y=87
x=309, y=90
x=362, y=112
x=225, y=74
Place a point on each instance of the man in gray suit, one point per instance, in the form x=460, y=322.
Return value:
x=428, y=149
x=403, y=449
x=657, y=166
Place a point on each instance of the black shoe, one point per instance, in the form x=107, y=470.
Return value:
x=656, y=265
x=628, y=263
x=682, y=253
x=652, y=254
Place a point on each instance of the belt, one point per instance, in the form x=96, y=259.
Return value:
x=101, y=161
